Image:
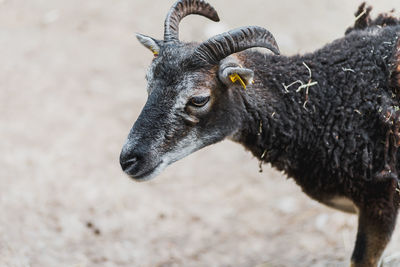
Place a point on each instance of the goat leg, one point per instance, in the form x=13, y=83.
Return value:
x=376, y=222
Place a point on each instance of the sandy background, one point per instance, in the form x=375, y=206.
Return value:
x=72, y=84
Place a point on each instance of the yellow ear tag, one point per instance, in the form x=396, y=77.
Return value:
x=155, y=52
x=235, y=77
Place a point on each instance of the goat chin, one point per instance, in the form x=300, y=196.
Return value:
x=150, y=174
x=166, y=160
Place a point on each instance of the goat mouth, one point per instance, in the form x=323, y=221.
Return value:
x=147, y=174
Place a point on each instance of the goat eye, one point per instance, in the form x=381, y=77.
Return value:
x=199, y=101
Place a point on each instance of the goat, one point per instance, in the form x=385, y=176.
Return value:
x=328, y=119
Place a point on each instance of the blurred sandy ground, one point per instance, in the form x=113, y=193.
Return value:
x=72, y=84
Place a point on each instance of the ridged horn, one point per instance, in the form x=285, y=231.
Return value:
x=220, y=46
x=181, y=9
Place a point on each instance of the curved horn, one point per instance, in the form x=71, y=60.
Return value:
x=220, y=46
x=181, y=9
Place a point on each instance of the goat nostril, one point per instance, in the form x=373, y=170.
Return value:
x=128, y=162
x=131, y=161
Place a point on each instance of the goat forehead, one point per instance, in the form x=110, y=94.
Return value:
x=170, y=59
x=174, y=52
x=167, y=72
x=176, y=90
x=176, y=80
x=173, y=55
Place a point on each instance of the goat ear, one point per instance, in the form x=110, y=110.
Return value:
x=231, y=72
x=149, y=43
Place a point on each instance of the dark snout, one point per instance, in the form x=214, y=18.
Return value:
x=141, y=156
x=138, y=164
x=129, y=160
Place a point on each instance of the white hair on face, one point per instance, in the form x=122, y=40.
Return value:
x=182, y=149
x=185, y=147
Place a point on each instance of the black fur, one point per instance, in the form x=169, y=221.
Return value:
x=334, y=135
x=334, y=143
